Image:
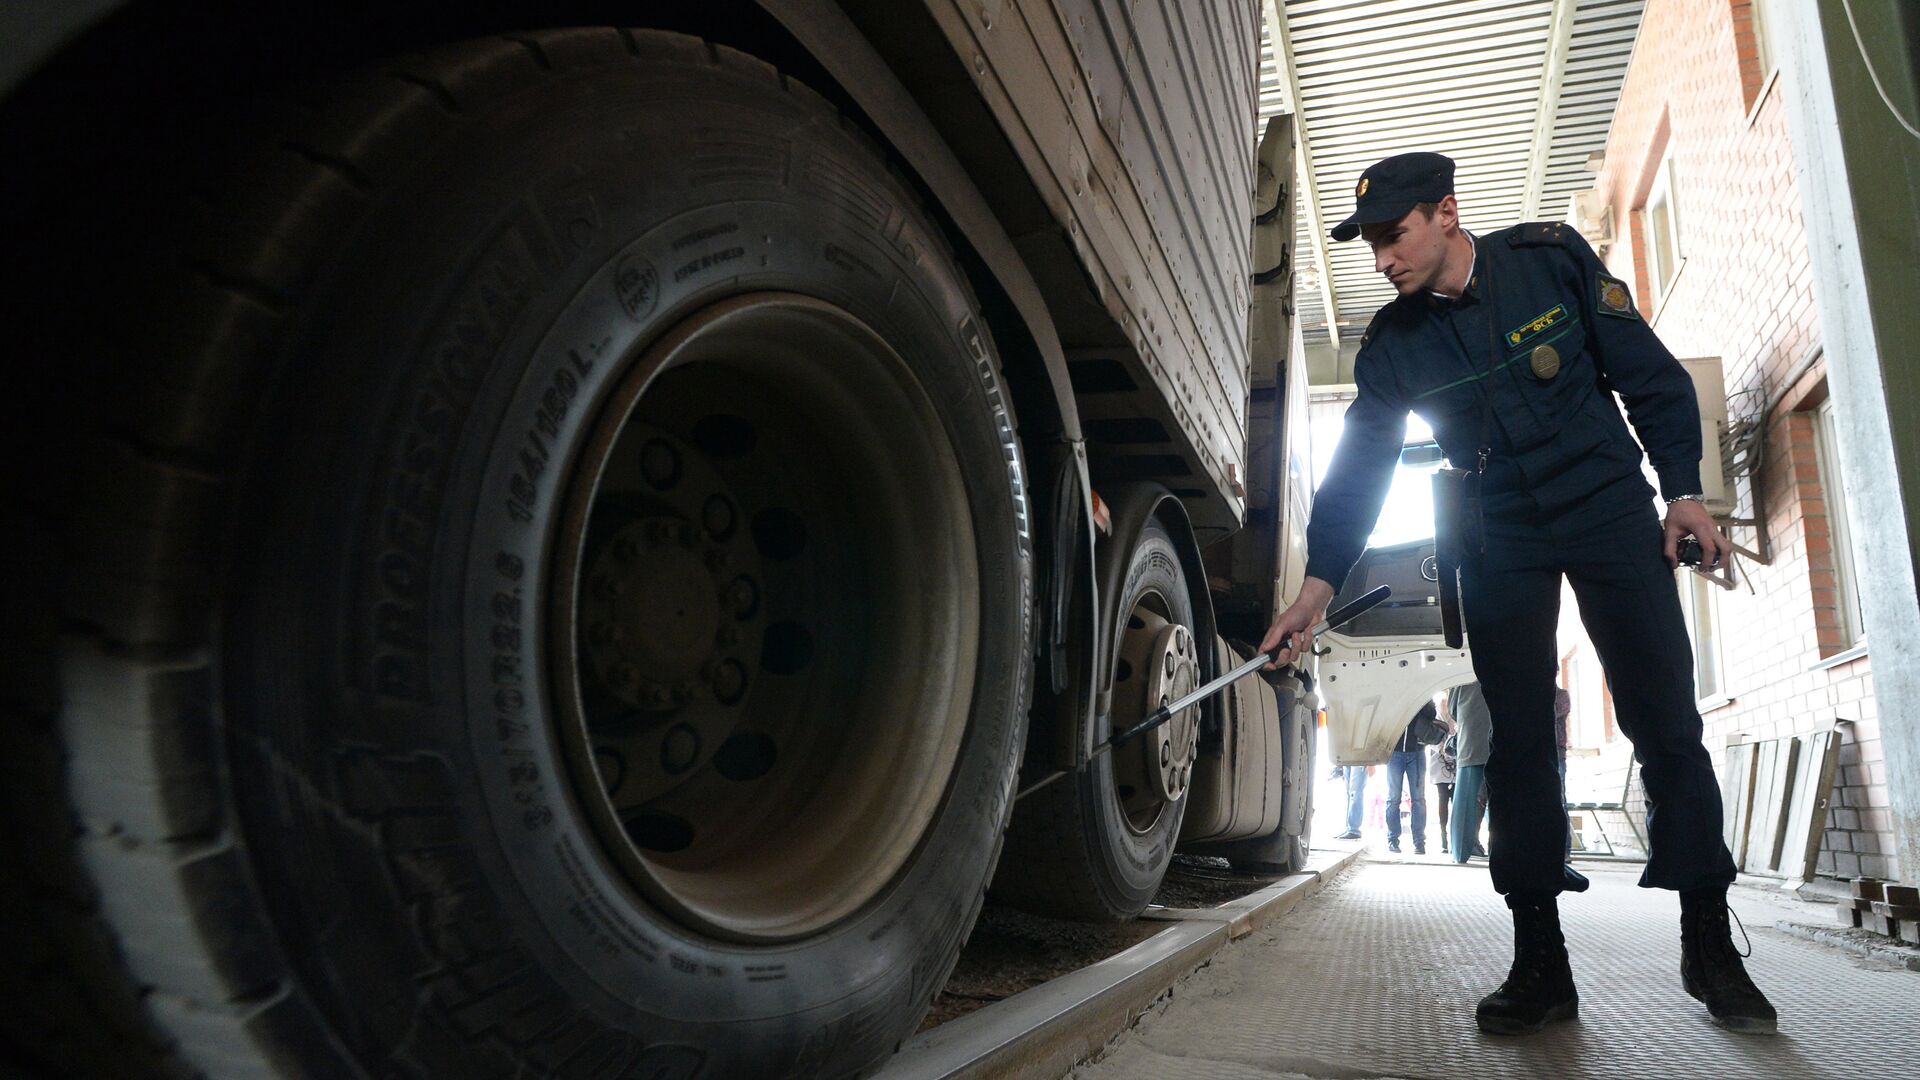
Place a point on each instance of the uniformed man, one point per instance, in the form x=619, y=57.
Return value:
x=1512, y=346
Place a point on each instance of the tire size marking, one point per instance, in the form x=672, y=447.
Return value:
x=536, y=444
x=507, y=670
x=540, y=238
x=708, y=261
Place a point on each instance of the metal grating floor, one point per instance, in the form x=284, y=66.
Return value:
x=1378, y=976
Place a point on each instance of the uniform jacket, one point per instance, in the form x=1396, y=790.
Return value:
x=1559, y=444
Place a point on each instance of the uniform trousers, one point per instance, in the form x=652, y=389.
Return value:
x=1630, y=606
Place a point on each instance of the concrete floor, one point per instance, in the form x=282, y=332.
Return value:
x=1378, y=975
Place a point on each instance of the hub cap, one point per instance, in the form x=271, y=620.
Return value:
x=1158, y=664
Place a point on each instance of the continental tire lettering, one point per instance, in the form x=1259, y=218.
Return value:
x=1002, y=426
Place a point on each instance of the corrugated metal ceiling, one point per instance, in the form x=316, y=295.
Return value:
x=1462, y=77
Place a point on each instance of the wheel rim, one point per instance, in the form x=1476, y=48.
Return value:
x=765, y=618
x=1158, y=662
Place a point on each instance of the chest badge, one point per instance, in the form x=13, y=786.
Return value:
x=1545, y=362
x=1536, y=326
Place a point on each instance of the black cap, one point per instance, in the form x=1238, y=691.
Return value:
x=1391, y=187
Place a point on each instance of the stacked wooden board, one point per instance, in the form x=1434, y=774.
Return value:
x=1775, y=794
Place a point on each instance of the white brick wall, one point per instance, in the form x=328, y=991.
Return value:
x=1744, y=294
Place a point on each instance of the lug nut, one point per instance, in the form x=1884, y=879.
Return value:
x=729, y=681
x=718, y=516
x=679, y=749
x=742, y=597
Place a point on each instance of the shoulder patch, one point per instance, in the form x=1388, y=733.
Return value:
x=1539, y=233
x=1612, y=298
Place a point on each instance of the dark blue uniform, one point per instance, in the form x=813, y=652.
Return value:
x=1565, y=495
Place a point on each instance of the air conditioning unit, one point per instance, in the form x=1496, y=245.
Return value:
x=1710, y=388
x=1592, y=215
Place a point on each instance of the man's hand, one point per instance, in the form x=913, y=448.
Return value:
x=1688, y=517
x=1306, y=610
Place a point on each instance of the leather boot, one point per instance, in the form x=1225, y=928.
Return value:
x=1710, y=966
x=1539, y=988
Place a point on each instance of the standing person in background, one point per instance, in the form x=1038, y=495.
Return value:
x=1409, y=764
x=1440, y=766
x=1474, y=727
x=1356, y=776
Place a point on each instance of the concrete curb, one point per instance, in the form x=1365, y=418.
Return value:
x=1862, y=942
x=1041, y=1033
x=1256, y=909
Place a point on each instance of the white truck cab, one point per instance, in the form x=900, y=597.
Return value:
x=1377, y=670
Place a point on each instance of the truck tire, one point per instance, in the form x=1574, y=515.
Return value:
x=548, y=596
x=1095, y=844
x=1285, y=850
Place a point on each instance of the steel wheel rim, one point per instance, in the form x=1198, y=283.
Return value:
x=762, y=718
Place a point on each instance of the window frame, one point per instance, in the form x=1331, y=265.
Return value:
x=1833, y=493
x=1663, y=269
x=1701, y=597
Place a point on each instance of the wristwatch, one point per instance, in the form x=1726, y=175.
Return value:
x=1696, y=497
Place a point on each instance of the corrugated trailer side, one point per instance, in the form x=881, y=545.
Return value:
x=1133, y=123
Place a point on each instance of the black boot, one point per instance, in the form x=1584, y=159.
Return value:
x=1540, y=986
x=1710, y=967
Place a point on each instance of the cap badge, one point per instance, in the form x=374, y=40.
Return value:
x=1362, y=189
x=1545, y=362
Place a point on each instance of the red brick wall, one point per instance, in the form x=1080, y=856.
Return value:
x=1743, y=293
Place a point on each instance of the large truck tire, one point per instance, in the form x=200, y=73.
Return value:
x=1285, y=850
x=1095, y=844
x=546, y=594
